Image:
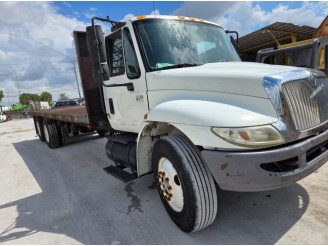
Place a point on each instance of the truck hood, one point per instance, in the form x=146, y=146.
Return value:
x=243, y=78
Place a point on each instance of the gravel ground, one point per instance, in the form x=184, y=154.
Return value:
x=63, y=196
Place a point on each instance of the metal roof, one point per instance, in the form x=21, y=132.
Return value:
x=275, y=34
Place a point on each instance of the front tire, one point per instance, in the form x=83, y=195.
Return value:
x=184, y=182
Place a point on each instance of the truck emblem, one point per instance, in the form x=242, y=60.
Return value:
x=316, y=91
x=139, y=98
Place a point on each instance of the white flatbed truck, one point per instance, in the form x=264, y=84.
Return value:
x=178, y=102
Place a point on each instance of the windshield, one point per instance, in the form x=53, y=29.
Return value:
x=177, y=43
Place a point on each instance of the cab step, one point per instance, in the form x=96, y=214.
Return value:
x=120, y=173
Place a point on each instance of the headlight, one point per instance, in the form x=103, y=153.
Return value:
x=253, y=137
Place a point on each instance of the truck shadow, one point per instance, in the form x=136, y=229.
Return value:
x=82, y=202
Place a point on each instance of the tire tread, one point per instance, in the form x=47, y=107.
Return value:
x=53, y=135
x=205, y=190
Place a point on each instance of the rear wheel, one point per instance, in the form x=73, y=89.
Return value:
x=185, y=184
x=39, y=129
x=101, y=133
x=63, y=133
x=51, y=134
x=75, y=133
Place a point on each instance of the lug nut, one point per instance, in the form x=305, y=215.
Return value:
x=167, y=179
x=170, y=195
x=169, y=199
x=170, y=187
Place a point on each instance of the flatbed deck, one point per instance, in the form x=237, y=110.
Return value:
x=73, y=114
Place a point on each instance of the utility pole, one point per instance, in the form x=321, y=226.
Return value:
x=17, y=84
x=77, y=82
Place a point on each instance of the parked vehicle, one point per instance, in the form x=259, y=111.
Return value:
x=179, y=103
x=3, y=116
x=66, y=103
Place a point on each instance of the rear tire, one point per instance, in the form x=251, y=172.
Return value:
x=39, y=129
x=75, y=133
x=184, y=182
x=101, y=133
x=51, y=134
x=63, y=133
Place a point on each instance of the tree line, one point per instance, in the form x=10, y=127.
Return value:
x=26, y=98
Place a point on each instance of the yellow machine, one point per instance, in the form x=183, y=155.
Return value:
x=311, y=53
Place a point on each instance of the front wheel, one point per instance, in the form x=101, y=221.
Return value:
x=185, y=184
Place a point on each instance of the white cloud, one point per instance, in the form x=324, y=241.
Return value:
x=37, y=67
x=155, y=12
x=91, y=12
x=245, y=16
x=128, y=17
x=131, y=16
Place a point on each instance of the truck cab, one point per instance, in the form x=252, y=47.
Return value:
x=182, y=105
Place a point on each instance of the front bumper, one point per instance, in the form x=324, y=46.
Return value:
x=243, y=171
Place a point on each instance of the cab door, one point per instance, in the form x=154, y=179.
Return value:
x=126, y=91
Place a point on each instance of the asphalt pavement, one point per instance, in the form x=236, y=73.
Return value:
x=63, y=196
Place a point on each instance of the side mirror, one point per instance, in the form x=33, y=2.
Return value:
x=97, y=50
x=235, y=42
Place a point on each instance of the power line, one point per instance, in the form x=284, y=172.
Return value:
x=68, y=72
x=11, y=64
x=23, y=37
x=46, y=90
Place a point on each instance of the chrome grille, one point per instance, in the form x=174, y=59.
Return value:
x=307, y=102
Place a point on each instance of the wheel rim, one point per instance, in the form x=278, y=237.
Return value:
x=46, y=133
x=170, y=185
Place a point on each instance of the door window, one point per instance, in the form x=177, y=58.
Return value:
x=131, y=61
x=115, y=54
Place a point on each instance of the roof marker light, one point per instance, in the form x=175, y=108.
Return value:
x=141, y=17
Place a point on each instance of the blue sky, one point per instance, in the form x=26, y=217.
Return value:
x=118, y=9
x=24, y=25
x=115, y=10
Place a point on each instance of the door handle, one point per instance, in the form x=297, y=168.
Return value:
x=129, y=86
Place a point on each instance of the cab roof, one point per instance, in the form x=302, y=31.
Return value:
x=171, y=17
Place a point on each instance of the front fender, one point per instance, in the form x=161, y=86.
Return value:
x=207, y=113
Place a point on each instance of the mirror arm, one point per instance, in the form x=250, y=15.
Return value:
x=235, y=32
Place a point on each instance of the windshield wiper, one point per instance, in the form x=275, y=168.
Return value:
x=180, y=65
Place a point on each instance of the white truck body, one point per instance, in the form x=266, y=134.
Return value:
x=182, y=105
